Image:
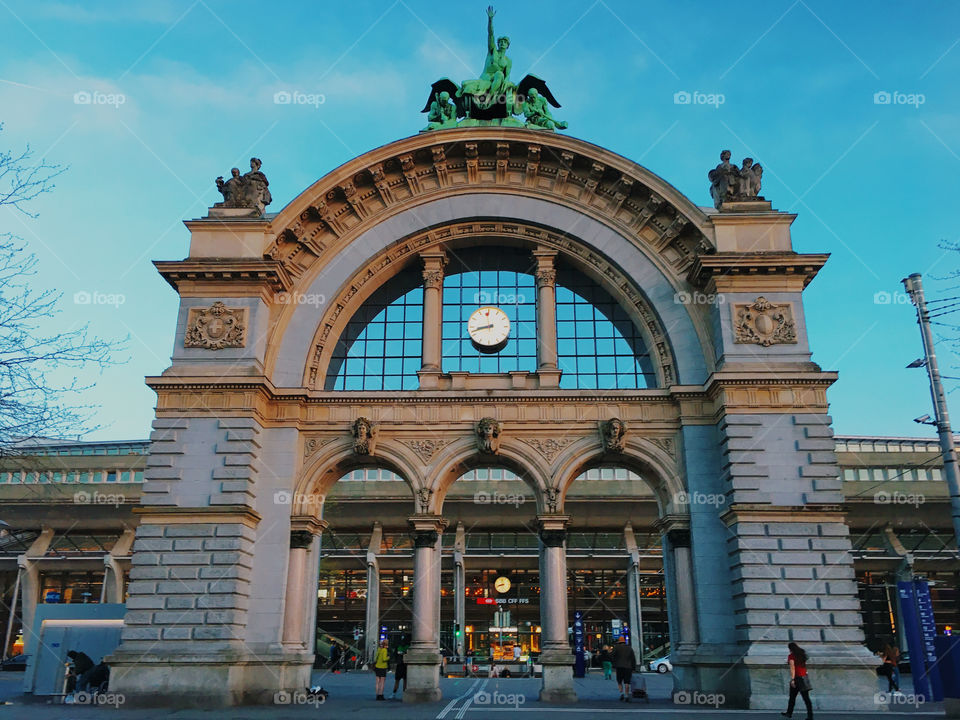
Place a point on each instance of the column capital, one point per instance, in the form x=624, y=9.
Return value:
x=427, y=523
x=553, y=529
x=544, y=256
x=679, y=537
x=307, y=523
x=433, y=260
x=668, y=523
x=545, y=273
x=301, y=539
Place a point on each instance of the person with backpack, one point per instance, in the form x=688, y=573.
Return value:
x=624, y=662
x=381, y=662
x=799, y=682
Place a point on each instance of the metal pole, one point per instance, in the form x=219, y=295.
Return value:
x=914, y=286
x=13, y=612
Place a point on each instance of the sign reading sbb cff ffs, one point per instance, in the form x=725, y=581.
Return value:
x=503, y=601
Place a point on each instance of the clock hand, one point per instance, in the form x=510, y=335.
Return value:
x=483, y=327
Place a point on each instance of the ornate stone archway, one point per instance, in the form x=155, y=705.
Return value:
x=739, y=416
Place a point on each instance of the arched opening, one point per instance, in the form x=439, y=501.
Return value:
x=616, y=568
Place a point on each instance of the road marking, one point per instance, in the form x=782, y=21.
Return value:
x=443, y=713
x=470, y=700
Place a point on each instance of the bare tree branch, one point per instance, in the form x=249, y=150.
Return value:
x=35, y=399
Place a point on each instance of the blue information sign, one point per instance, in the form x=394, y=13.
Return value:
x=579, y=661
x=920, y=629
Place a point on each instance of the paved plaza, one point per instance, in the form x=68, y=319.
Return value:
x=351, y=695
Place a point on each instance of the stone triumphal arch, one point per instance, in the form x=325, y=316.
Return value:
x=269, y=401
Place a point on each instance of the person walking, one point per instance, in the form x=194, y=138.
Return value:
x=380, y=663
x=625, y=662
x=400, y=669
x=799, y=682
x=606, y=662
x=335, y=656
x=891, y=662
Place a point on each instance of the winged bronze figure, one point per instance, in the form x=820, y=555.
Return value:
x=492, y=99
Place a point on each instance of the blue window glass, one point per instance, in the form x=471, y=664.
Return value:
x=381, y=346
x=598, y=346
x=503, y=278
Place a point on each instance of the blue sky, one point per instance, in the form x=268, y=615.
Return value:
x=873, y=184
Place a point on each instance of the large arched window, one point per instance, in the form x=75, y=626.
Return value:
x=598, y=344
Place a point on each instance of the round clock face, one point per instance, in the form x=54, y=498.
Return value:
x=501, y=584
x=489, y=328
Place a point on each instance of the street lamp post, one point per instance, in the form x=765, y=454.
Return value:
x=914, y=286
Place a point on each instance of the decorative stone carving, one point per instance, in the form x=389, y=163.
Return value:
x=301, y=539
x=250, y=190
x=425, y=538
x=549, y=447
x=679, y=537
x=488, y=435
x=423, y=499
x=730, y=183
x=665, y=444
x=553, y=538
x=546, y=277
x=364, y=436
x=613, y=434
x=313, y=444
x=764, y=323
x=425, y=448
x=433, y=279
x=551, y=498
x=216, y=327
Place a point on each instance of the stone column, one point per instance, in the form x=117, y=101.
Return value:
x=113, y=572
x=433, y=263
x=679, y=539
x=546, y=275
x=30, y=585
x=423, y=658
x=555, y=653
x=372, y=618
x=296, y=595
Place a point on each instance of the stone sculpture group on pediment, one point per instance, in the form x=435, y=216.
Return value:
x=250, y=190
x=728, y=183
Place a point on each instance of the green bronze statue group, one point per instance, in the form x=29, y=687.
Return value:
x=492, y=99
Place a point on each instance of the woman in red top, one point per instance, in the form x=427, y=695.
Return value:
x=797, y=660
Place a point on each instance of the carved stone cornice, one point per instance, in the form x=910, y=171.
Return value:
x=538, y=412
x=809, y=513
x=726, y=272
x=229, y=277
x=573, y=173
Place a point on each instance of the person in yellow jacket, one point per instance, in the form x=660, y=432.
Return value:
x=380, y=662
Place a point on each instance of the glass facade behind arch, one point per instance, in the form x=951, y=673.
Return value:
x=598, y=344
